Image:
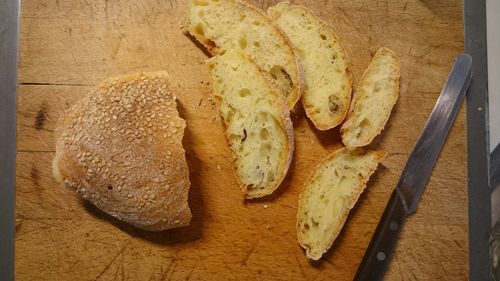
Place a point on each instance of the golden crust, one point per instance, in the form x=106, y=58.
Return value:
x=120, y=147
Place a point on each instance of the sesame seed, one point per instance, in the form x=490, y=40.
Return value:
x=145, y=197
x=129, y=195
x=218, y=167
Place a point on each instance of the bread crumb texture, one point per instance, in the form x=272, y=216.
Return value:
x=327, y=90
x=329, y=195
x=257, y=122
x=222, y=25
x=120, y=147
x=373, y=101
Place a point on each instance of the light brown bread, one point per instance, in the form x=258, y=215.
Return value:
x=329, y=194
x=373, y=101
x=222, y=25
x=327, y=77
x=257, y=122
x=121, y=148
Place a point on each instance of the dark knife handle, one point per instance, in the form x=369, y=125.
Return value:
x=383, y=242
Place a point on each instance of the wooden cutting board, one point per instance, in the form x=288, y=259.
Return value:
x=67, y=46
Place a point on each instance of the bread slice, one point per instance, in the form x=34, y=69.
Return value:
x=327, y=90
x=373, y=101
x=222, y=25
x=257, y=122
x=120, y=147
x=329, y=194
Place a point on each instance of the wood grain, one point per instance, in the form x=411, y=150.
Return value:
x=66, y=47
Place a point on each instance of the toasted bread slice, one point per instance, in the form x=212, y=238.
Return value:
x=257, y=122
x=373, y=101
x=222, y=25
x=327, y=77
x=329, y=195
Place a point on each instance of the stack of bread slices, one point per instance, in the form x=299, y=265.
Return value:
x=262, y=65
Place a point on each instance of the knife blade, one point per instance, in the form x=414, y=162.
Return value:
x=406, y=196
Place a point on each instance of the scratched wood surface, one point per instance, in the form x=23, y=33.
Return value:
x=67, y=46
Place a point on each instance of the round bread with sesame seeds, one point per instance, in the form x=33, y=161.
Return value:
x=121, y=149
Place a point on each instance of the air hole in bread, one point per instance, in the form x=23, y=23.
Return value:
x=256, y=23
x=200, y=3
x=333, y=103
x=264, y=134
x=271, y=176
x=281, y=77
x=364, y=123
x=199, y=29
x=322, y=36
x=243, y=43
x=110, y=187
x=306, y=226
x=244, y=135
x=244, y=92
x=256, y=43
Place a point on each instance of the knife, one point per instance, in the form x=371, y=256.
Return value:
x=406, y=196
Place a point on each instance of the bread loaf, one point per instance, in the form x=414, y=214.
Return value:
x=327, y=90
x=373, y=101
x=121, y=148
x=222, y=25
x=257, y=122
x=329, y=194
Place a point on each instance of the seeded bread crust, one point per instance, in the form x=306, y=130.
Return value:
x=121, y=149
x=271, y=41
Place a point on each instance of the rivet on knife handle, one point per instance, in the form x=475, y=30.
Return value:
x=384, y=240
x=404, y=199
